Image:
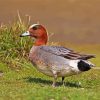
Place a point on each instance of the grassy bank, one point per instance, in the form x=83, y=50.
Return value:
x=13, y=49
x=19, y=80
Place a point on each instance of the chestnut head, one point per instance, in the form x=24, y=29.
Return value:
x=38, y=32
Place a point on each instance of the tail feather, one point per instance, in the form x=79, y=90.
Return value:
x=86, y=57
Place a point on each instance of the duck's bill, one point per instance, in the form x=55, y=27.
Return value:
x=25, y=34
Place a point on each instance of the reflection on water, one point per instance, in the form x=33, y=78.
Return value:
x=77, y=19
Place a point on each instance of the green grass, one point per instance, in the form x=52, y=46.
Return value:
x=29, y=84
x=21, y=81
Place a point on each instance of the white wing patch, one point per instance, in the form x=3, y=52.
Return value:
x=74, y=65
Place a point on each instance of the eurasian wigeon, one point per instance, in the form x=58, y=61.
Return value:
x=55, y=61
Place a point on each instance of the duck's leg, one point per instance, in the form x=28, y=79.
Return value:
x=55, y=78
x=54, y=81
x=63, y=80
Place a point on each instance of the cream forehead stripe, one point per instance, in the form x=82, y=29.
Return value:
x=33, y=25
x=36, y=25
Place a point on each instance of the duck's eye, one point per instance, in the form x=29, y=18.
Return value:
x=35, y=28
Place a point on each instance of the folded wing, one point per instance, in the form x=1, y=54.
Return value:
x=66, y=53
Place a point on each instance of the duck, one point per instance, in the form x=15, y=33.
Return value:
x=55, y=61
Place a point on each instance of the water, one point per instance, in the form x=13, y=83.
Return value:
x=77, y=19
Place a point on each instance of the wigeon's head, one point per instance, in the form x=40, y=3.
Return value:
x=38, y=32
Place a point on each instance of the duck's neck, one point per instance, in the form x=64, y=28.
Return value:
x=41, y=41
